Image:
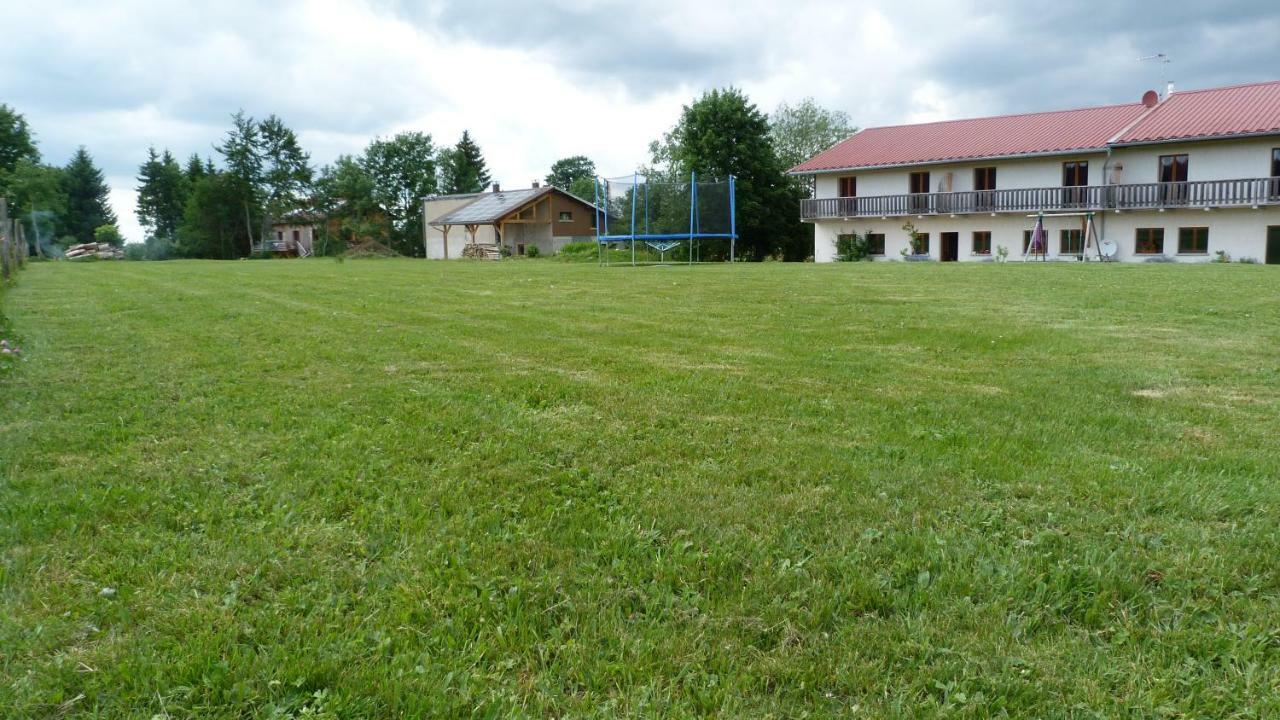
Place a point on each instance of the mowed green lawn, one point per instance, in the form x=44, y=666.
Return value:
x=394, y=488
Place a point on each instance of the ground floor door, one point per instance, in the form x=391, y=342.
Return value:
x=1273, y=245
x=950, y=247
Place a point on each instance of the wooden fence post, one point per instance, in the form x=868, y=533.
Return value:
x=6, y=229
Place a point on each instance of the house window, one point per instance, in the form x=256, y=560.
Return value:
x=1075, y=176
x=297, y=235
x=982, y=242
x=1075, y=173
x=922, y=244
x=279, y=236
x=1071, y=243
x=520, y=249
x=1275, y=173
x=848, y=187
x=1026, y=240
x=918, y=182
x=984, y=178
x=1148, y=241
x=1173, y=168
x=566, y=216
x=1193, y=241
x=875, y=243
x=1173, y=179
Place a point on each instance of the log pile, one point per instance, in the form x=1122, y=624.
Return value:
x=102, y=251
x=484, y=252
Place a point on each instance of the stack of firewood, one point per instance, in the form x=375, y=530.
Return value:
x=484, y=252
x=102, y=251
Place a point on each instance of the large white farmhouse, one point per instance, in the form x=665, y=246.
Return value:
x=1180, y=178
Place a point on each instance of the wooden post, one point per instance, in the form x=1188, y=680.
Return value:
x=444, y=232
x=6, y=229
x=5, y=270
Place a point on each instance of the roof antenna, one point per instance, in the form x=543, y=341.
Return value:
x=1164, y=71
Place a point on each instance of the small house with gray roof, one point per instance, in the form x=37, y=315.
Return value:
x=488, y=223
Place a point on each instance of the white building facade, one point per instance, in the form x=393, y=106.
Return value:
x=1190, y=178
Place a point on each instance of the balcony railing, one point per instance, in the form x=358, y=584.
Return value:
x=1149, y=196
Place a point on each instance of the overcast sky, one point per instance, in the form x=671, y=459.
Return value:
x=536, y=81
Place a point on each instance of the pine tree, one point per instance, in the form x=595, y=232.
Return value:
x=87, y=197
x=197, y=168
x=462, y=168
x=162, y=198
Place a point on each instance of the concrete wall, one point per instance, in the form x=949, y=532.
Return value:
x=1240, y=232
x=458, y=236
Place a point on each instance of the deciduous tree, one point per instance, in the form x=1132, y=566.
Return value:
x=402, y=171
x=16, y=140
x=805, y=129
x=575, y=175
x=721, y=134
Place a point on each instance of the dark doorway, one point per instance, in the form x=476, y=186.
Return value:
x=950, y=247
x=1273, y=245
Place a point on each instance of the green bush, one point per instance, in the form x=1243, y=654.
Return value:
x=532, y=251
x=851, y=247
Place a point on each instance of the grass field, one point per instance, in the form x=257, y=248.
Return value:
x=412, y=489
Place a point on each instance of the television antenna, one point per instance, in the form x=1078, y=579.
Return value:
x=1164, y=61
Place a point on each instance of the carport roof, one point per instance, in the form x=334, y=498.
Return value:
x=491, y=207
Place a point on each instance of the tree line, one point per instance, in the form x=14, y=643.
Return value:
x=222, y=204
x=60, y=205
x=207, y=209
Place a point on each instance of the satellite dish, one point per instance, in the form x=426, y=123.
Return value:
x=1108, y=248
x=1150, y=98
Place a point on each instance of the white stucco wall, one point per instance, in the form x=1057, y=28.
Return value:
x=1211, y=160
x=458, y=236
x=1024, y=173
x=1241, y=232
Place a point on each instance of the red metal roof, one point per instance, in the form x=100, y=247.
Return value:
x=1003, y=135
x=1235, y=110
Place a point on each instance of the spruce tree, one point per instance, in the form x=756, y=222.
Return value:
x=87, y=197
x=163, y=189
x=462, y=168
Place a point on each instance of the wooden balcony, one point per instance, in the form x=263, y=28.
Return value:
x=1149, y=196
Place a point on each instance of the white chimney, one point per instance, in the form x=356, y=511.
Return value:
x=1168, y=90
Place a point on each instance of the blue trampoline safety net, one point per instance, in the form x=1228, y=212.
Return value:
x=641, y=209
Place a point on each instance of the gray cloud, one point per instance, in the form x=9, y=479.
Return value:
x=536, y=81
